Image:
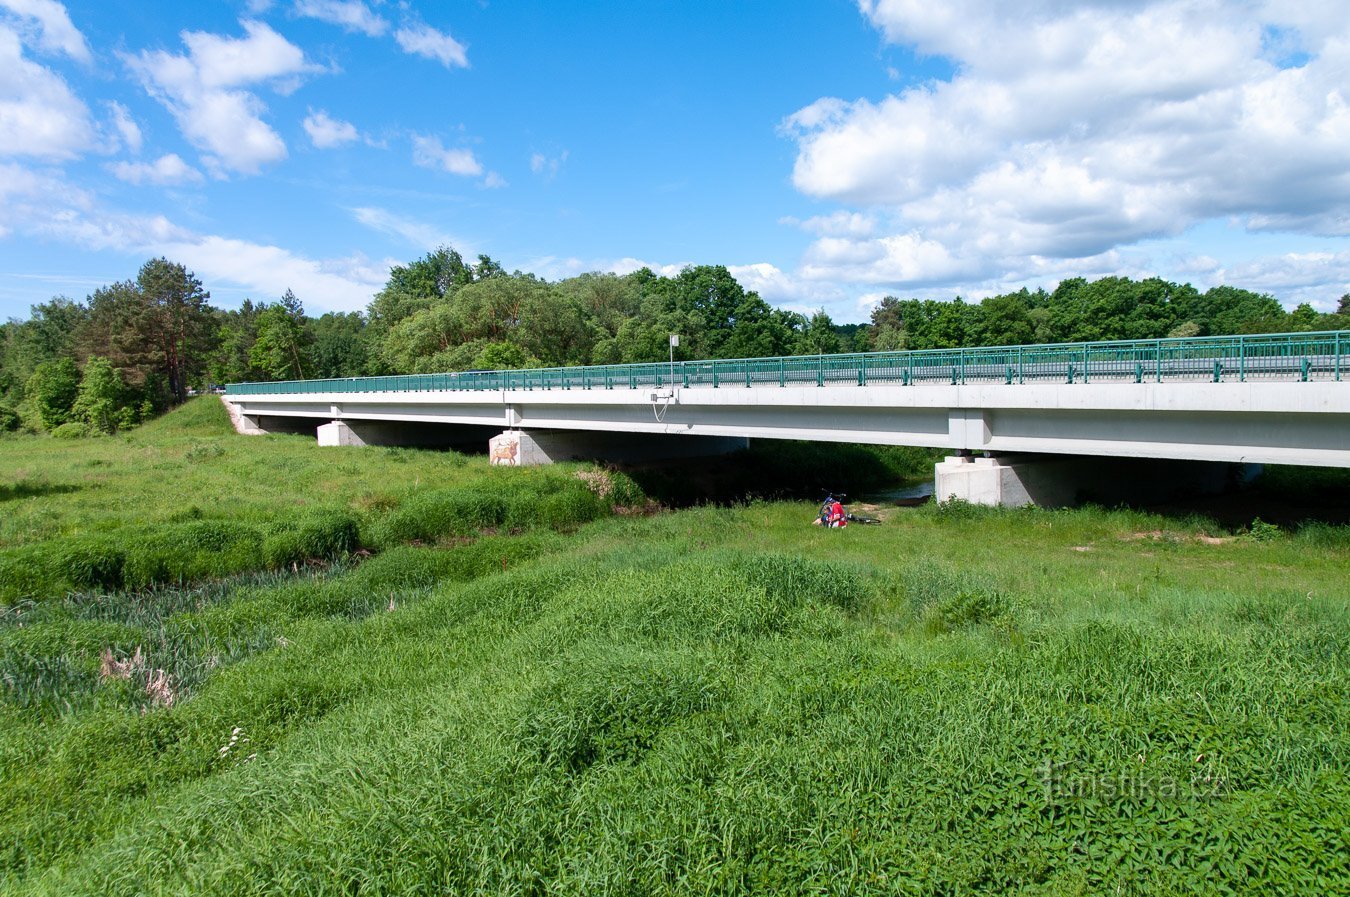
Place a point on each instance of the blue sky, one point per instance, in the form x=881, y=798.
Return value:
x=828, y=152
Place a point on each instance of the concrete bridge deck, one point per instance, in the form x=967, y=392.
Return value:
x=1270, y=399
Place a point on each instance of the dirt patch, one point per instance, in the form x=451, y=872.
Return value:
x=1160, y=536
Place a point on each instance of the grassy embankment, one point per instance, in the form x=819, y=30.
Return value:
x=715, y=700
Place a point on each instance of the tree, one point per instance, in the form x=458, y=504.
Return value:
x=502, y=356
x=282, y=347
x=52, y=390
x=339, y=346
x=817, y=336
x=101, y=397
x=175, y=323
x=1343, y=307
x=48, y=334
x=158, y=330
x=237, y=332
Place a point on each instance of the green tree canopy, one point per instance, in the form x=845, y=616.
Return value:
x=281, y=349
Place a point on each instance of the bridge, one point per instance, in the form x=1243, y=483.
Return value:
x=1044, y=419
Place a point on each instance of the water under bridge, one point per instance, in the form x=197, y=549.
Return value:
x=1025, y=423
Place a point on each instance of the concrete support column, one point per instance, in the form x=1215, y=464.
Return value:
x=339, y=432
x=968, y=428
x=1054, y=481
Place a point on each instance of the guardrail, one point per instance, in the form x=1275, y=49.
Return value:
x=1275, y=356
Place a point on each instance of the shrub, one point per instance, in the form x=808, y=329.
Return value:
x=446, y=512
x=203, y=451
x=612, y=706
x=796, y=579
x=95, y=563
x=325, y=535
x=9, y=419
x=944, y=598
x=1261, y=531
x=570, y=507
x=72, y=430
x=31, y=571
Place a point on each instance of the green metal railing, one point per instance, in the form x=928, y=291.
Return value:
x=1273, y=356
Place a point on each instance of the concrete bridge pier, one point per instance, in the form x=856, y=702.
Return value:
x=528, y=448
x=1056, y=481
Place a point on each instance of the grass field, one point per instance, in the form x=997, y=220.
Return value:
x=493, y=684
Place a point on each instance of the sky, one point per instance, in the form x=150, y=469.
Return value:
x=829, y=153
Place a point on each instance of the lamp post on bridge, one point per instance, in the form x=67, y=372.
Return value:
x=674, y=342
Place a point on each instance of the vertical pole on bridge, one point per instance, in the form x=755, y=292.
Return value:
x=1242, y=360
x=1159, y=361
x=1338, y=355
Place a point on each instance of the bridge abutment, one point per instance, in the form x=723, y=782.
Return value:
x=1055, y=481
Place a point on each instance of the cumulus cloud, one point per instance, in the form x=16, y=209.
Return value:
x=628, y=265
x=429, y=152
x=779, y=288
x=351, y=15
x=326, y=132
x=340, y=284
x=166, y=171
x=423, y=40
x=204, y=92
x=51, y=25
x=39, y=114
x=1070, y=130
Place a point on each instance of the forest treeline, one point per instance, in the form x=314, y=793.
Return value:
x=137, y=347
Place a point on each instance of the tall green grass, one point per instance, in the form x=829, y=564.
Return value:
x=519, y=693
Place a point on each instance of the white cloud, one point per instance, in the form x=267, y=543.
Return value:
x=351, y=15
x=628, y=265
x=547, y=166
x=326, y=131
x=429, y=152
x=166, y=171
x=1319, y=278
x=126, y=126
x=418, y=233
x=841, y=223
x=44, y=204
x=39, y=114
x=55, y=32
x=1071, y=129
x=780, y=288
x=423, y=40
x=493, y=180
x=342, y=284
x=202, y=90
